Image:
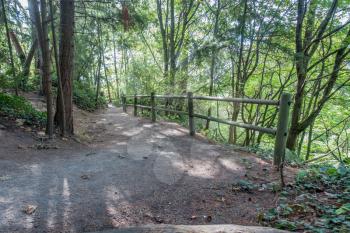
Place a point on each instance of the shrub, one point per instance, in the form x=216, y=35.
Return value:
x=19, y=108
x=84, y=97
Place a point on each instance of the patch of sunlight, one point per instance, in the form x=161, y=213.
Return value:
x=35, y=169
x=172, y=132
x=52, y=206
x=101, y=121
x=121, y=143
x=159, y=136
x=205, y=151
x=4, y=200
x=29, y=221
x=114, y=203
x=147, y=126
x=230, y=164
x=140, y=145
x=133, y=132
x=67, y=204
x=52, y=214
x=168, y=167
x=203, y=168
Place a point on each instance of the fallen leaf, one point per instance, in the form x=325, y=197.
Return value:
x=30, y=209
x=91, y=153
x=158, y=219
x=85, y=177
x=208, y=218
x=21, y=147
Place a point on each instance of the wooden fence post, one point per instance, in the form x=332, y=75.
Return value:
x=135, y=107
x=124, y=103
x=282, y=129
x=153, y=105
x=190, y=114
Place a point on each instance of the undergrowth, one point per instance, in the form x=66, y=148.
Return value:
x=19, y=108
x=319, y=201
x=85, y=98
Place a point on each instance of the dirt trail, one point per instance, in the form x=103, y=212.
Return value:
x=127, y=171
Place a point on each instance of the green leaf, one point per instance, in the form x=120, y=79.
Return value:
x=343, y=209
x=285, y=224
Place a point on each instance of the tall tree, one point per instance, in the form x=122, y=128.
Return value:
x=213, y=56
x=26, y=60
x=9, y=45
x=41, y=20
x=59, y=80
x=173, y=29
x=309, y=37
x=66, y=65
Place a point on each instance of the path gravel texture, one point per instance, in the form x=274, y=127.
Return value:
x=127, y=171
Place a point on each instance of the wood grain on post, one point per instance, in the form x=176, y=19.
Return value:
x=124, y=103
x=190, y=114
x=135, y=105
x=282, y=129
x=153, y=105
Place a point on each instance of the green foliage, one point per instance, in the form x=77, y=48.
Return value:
x=319, y=201
x=85, y=97
x=19, y=108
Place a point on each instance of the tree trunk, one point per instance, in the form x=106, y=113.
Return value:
x=42, y=35
x=66, y=62
x=303, y=54
x=37, y=61
x=171, y=86
x=25, y=60
x=60, y=89
x=27, y=63
x=213, y=59
x=237, y=87
x=9, y=46
x=115, y=68
x=106, y=77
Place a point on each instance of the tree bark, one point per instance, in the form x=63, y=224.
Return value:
x=303, y=54
x=26, y=60
x=115, y=68
x=60, y=88
x=239, y=83
x=213, y=59
x=9, y=46
x=42, y=35
x=66, y=62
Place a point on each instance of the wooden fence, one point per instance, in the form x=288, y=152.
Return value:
x=280, y=132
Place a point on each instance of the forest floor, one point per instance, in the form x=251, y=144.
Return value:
x=121, y=171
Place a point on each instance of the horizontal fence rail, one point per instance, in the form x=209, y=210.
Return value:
x=280, y=132
x=238, y=100
x=241, y=125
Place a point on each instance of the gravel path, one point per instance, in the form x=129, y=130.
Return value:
x=128, y=172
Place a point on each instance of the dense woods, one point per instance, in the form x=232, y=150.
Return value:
x=92, y=53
